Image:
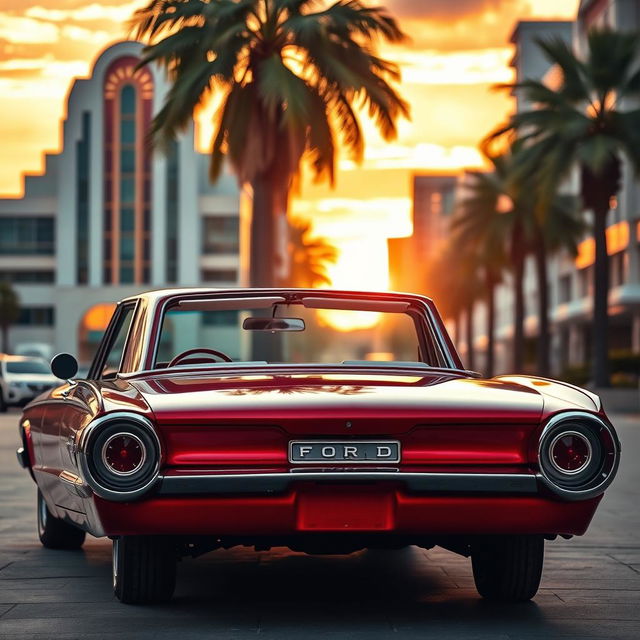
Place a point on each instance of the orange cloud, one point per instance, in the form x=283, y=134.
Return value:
x=457, y=50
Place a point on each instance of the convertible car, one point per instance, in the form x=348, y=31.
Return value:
x=324, y=421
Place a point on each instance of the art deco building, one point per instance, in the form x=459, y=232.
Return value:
x=109, y=217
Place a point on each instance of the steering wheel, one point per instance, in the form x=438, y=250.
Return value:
x=210, y=352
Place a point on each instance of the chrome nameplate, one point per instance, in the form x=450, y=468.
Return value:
x=349, y=451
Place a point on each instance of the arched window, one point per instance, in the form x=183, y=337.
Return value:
x=127, y=184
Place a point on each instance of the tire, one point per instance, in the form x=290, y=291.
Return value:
x=144, y=569
x=3, y=404
x=55, y=533
x=508, y=568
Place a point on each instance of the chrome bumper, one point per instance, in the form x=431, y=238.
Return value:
x=273, y=483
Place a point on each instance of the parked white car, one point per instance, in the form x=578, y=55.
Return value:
x=22, y=379
x=35, y=350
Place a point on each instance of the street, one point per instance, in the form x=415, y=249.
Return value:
x=590, y=587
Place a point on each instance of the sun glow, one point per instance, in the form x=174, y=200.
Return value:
x=362, y=266
x=359, y=229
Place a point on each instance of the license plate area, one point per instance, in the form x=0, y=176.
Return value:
x=344, y=451
x=345, y=508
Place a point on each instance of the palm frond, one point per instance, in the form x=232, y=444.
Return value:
x=274, y=107
x=612, y=55
x=575, y=85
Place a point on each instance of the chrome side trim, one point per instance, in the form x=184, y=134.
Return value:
x=577, y=494
x=271, y=483
x=75, y=483
x=23, y=457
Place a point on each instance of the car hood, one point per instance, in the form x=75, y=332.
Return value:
x=297, y=398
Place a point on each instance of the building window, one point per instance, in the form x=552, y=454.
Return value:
x=83, y=158
x=219, y=275
x=564, y=289
x=36, y=317
x=585, y=282
x=127, y=220
x=448, y=201
x=172, y=213
x=220, y=234
x=27, y=277
x=618, y=267
x=127, y=186
x=27, y=236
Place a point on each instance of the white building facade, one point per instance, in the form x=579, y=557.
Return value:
x=109, y=217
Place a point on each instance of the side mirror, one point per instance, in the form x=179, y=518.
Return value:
x=64, y=366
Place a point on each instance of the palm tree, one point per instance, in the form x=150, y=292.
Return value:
x=309, y=256
x=480, y=231
x=452, y=281
x=560, y=229
x=498, y=216
x=291, y=77
x=583, y=124
x=9, y=311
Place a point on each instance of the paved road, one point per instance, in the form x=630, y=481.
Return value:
x=590, y=587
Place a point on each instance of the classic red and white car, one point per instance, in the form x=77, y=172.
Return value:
x=213, y=418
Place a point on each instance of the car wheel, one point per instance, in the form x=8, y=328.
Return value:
x=55, y=533
x=508, y=568
x=3, y=404
x=144, y=569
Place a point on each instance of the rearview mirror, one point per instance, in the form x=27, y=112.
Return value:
x=64, y=366
x=273, y=324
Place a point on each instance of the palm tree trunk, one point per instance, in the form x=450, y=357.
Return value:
x=456, y=330
x=268, y=200
x=518, y=313
x=5, y=337
x=262, y=248
x=600, y=338
x=597, y=190
x=491, y=318
x=544, y=334
x=469, y=321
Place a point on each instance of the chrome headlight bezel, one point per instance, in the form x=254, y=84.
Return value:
x=592, y=478
x=97, y=474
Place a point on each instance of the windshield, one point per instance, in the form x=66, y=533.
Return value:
x=27, y=366
x=303, y=335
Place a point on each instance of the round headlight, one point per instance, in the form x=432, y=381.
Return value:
x=578, y=455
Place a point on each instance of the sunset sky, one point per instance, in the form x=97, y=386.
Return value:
x=458, y=49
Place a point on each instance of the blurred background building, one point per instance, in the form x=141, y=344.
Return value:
x=434, y=197
x=570, y=279
x=108, y=218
